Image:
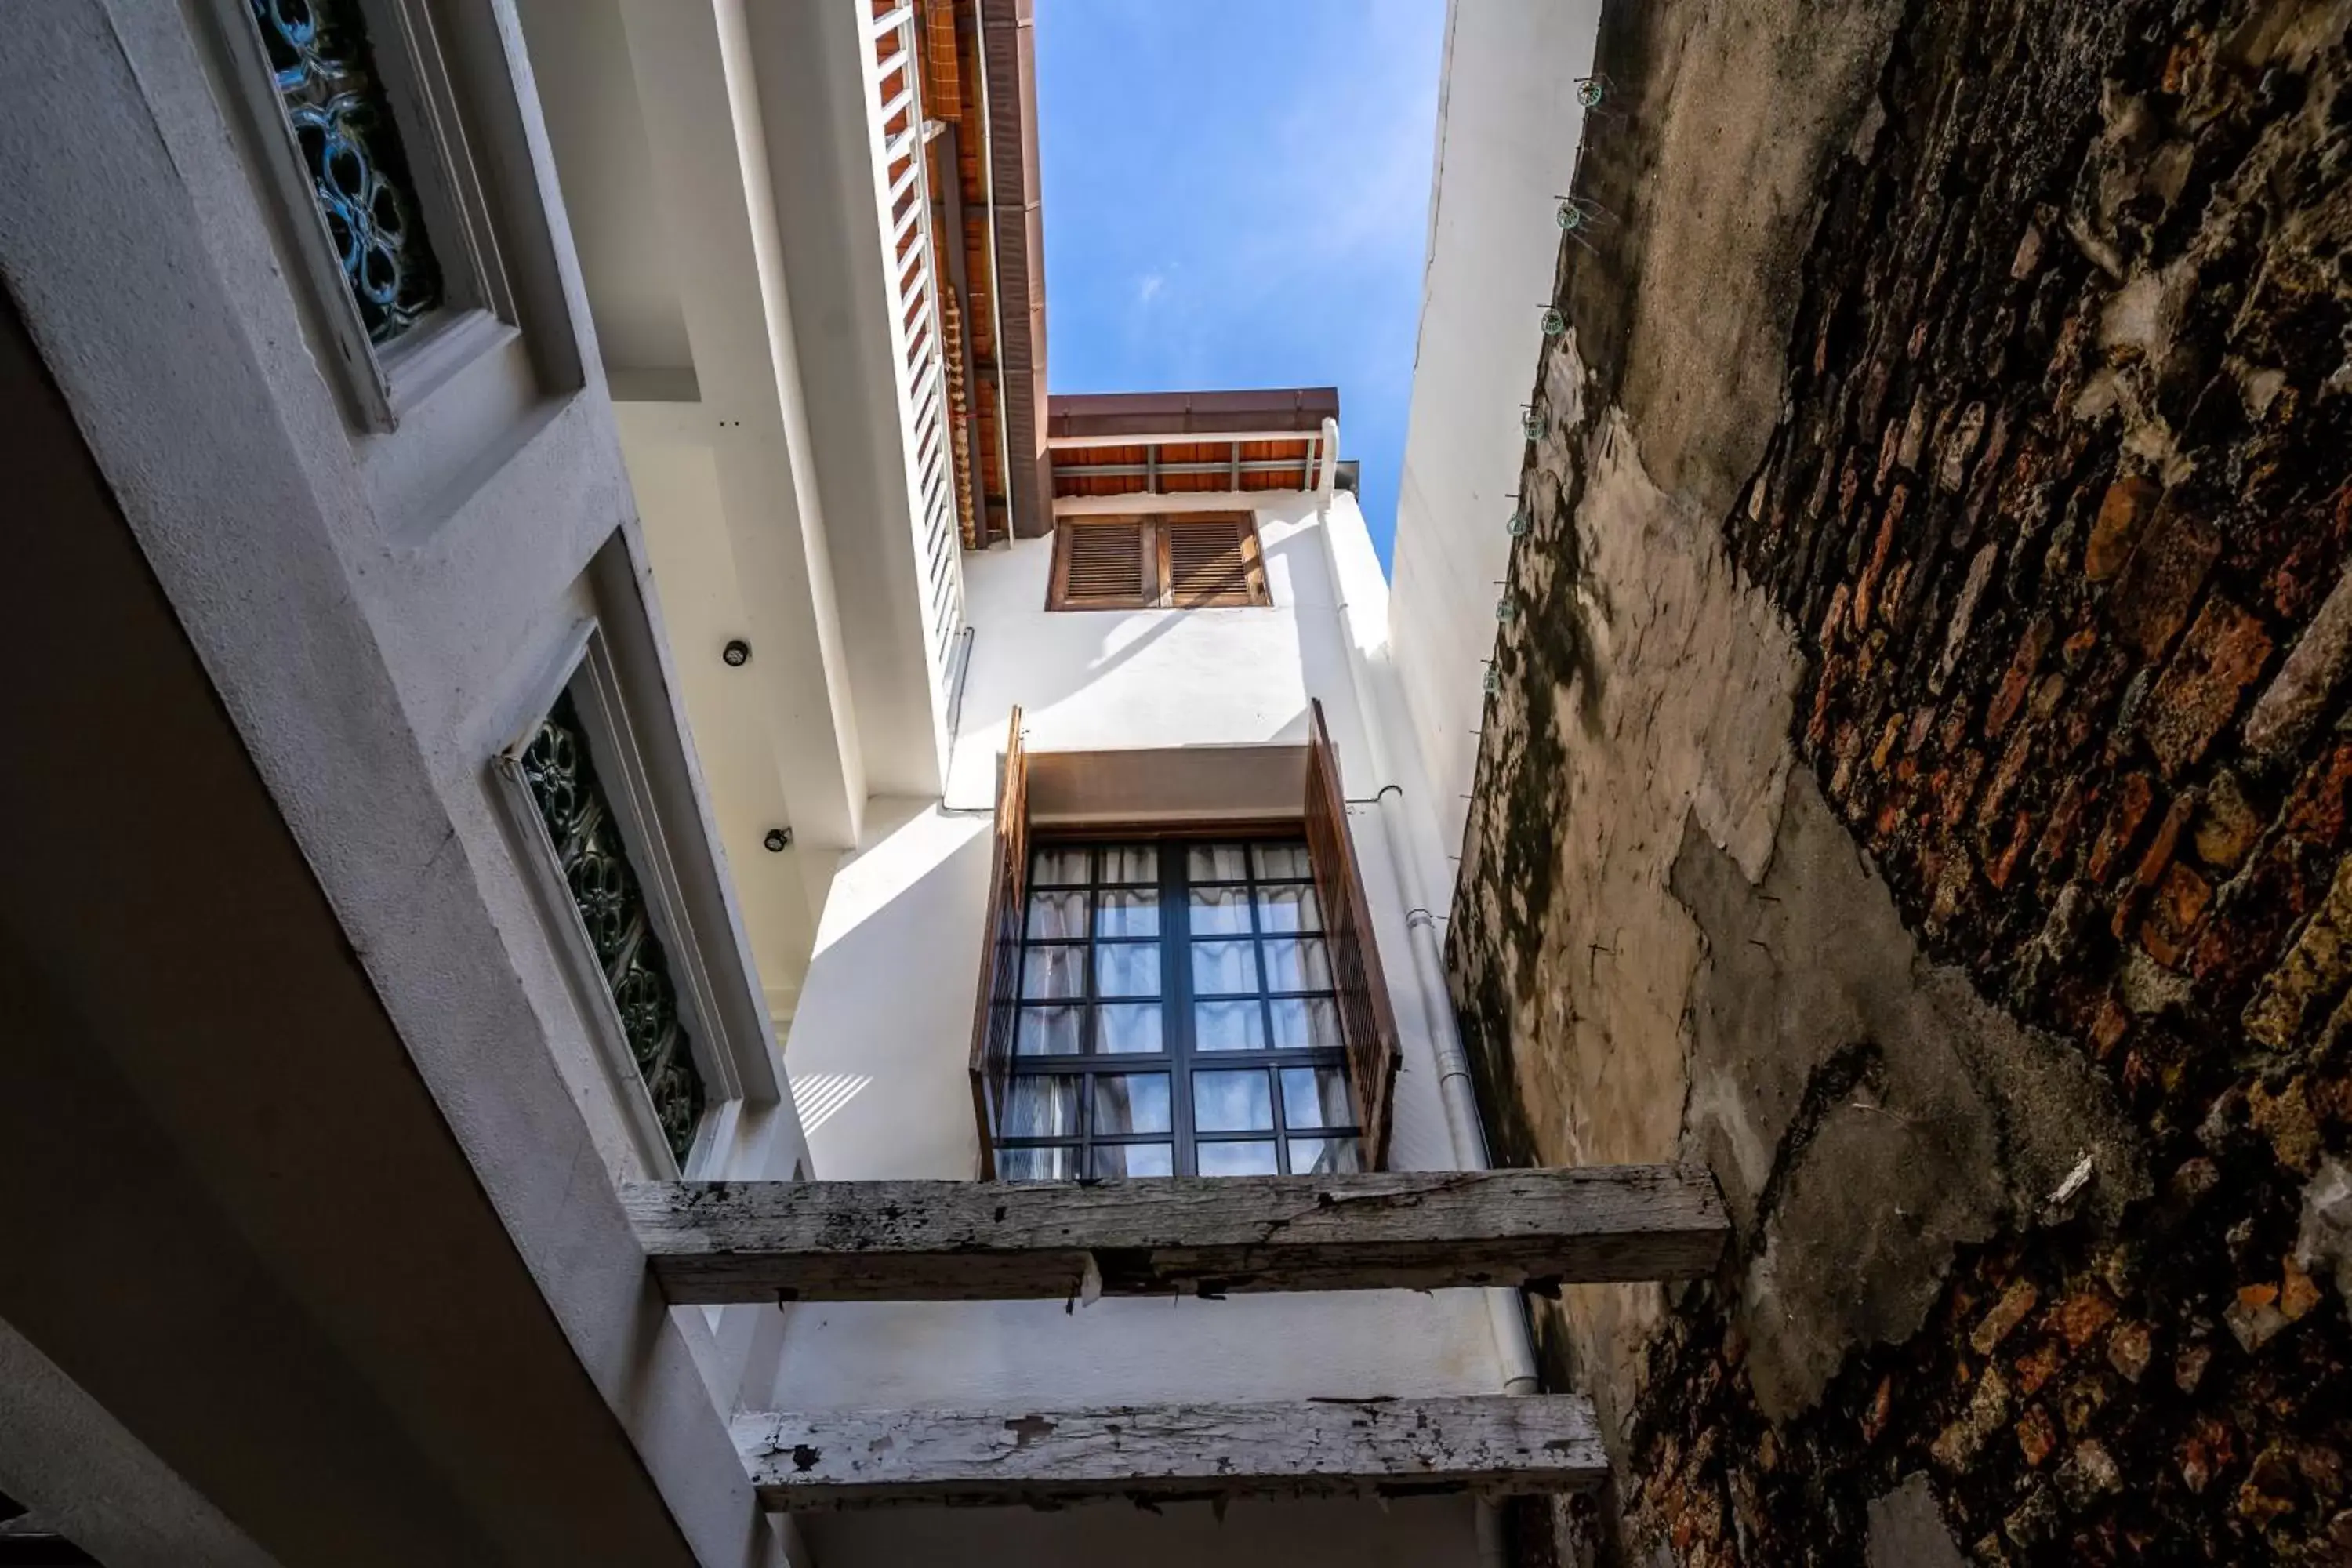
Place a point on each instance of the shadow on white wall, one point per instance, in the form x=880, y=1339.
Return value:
x=821, y=1096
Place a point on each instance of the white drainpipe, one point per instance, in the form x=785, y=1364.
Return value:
x=1514, y=1348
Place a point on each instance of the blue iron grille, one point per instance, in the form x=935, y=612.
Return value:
x=612, y=905
x=350, y=147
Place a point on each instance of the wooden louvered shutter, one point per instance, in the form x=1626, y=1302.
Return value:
x=1000, y=953
x=1211, y=560
x=1366, y=1022
x=1103, y=564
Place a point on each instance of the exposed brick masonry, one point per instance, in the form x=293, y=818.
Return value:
x=2060, y=501
x=2062, y=476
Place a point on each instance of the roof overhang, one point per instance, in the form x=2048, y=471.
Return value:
x=1017, y=237
x=1190, y=443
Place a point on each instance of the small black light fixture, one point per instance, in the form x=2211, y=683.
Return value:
x=777, y=840
x=736, y=653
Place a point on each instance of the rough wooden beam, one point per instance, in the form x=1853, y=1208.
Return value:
x=1494, y=1443
x=950, y=1241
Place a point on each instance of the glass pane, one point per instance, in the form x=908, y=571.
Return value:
x=1297, y=964
x=1037, y=1164
x=1214, y=863
x=1042, y=1105
x=1059, y=867
x=1128, y=864
x=1231, y=1103
x=1235, y=1159
x=1227, y=1026
x=1323, y=1156
x=1131, y=1102
x=1224, y=967
x=1283, y=862
x=1133, y=1159
x=1306, y=1024
x=1126, y=969
x=1221, y=911
x=1127, y=1028
x=1127, y=914
x=1057, y=917
x=1053, y=971
x=1046, y=1032
x=1316, y=1097
x=1288, y=909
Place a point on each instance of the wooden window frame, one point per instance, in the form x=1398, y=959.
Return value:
x=1367, y=1023
x=1155, y=587
x=997, y=1012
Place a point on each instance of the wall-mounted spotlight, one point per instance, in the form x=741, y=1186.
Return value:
x=777, y=840
x=736, y=653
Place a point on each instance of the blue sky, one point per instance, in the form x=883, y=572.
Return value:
x=1237, y=194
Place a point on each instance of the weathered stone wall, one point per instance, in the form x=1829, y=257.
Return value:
x=1919, y=781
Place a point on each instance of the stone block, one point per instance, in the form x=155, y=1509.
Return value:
x=1960, y=448
x=2180, y=903
x=2167, y=840
x=1957, y=1446
x=2307, y=682
x=2317, y=812
x=2058, y=833
x=2009, y=1312
x=2129, y=1350
x=2284, y=1116
x=2152, y=598
x=2200, y=688
x=1963, y=616
x=2122, y=516
x=2081, y=1316
x=2038, y=1365
x=2226, y=824
x=2133, y=796
x=2005, y=777
x=2011, y=694
x=2037, y=1434
x=2313, y=969
x=2002, y=867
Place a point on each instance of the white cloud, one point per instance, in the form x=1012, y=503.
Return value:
x=1147, y=288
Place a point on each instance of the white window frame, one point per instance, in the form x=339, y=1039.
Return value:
x=477, y=314
x=735, y=1070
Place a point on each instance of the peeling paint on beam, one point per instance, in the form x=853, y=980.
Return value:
x=1492, y=1443
x=709, y=1242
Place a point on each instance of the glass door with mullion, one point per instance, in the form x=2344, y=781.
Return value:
x=1177, y=1016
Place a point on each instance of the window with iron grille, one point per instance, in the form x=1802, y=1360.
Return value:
x=583, y=833
x=340, y=117
x=1180, y=562
x=1176, y=1014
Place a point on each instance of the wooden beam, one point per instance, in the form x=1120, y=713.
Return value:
x=1491, y=1443
x=952, y=1241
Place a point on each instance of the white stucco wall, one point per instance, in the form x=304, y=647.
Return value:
x=379, y=613
x=1508, y=124
x=674, y=473
x=880, y=1047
